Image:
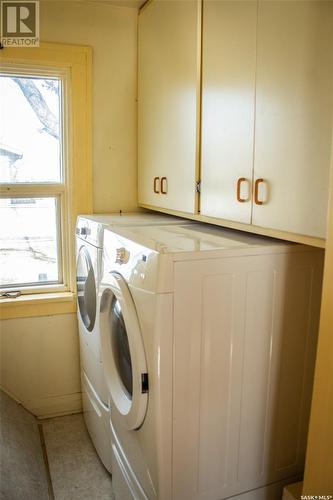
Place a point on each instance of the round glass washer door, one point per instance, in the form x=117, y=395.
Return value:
x=124, y=360
x=86, y=289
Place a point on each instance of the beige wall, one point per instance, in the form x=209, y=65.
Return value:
x=40, y=356
x=40, y=363
x=318, y=479
x=112, y=33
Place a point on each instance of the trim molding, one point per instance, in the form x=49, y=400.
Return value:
x=76, y=60
x=293, y=491
x=43, y=304
x=52, y=406
x=55, y=406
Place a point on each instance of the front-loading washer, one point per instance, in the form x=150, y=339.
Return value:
x=202, y=330
x=89, y=247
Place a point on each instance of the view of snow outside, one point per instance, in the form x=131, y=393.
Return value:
x=30, y=152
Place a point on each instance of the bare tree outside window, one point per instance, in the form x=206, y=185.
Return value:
x=38, y=105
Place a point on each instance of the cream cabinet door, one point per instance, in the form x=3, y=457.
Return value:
x=228, y=99
x=294, y=105
x=168, y=96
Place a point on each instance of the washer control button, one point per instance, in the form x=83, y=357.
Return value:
x=85, y=231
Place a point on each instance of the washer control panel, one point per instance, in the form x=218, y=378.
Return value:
x=122, y=256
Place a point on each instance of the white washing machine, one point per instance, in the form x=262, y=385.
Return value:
x=89, y=243
x=208, y=339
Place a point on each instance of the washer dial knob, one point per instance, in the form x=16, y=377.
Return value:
x=122, y=256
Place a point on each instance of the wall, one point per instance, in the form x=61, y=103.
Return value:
x=112, y=33
x=40, y=358
x=40, y=363
x=318, y=479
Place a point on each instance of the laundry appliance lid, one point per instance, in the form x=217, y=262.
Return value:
x=195, y=237
x=132, y=218
x=90, y=228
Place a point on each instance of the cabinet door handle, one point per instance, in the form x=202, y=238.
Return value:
x=239, y=185
x=164, y=185
x=156, y=180
x=256, y=192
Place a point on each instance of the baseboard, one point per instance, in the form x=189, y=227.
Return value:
x=55, y=406
x=52, y=406
x=272, y=491
x=293, y=491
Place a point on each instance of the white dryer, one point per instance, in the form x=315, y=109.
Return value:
x=89, y=243
x=208, y=340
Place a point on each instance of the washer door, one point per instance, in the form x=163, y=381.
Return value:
x=86, y=288
x=124, y=360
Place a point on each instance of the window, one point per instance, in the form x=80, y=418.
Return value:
x=45, y=174
x=33, y=162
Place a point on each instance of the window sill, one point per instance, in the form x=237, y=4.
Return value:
x=42, y=304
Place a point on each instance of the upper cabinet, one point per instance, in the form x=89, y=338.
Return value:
x=168, y=96
x=293, y=119
x=265, y=115
x=228, y=89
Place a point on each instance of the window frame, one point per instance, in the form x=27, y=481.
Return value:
x=59, y=190
x=72, y=64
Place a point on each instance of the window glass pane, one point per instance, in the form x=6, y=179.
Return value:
x=30, y=131
x=28, y=241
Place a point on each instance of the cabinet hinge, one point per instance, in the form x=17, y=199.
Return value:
x=198, y=187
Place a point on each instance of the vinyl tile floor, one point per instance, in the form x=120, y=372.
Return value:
x=50, y=459
x=22, y=468
x=75, y=470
